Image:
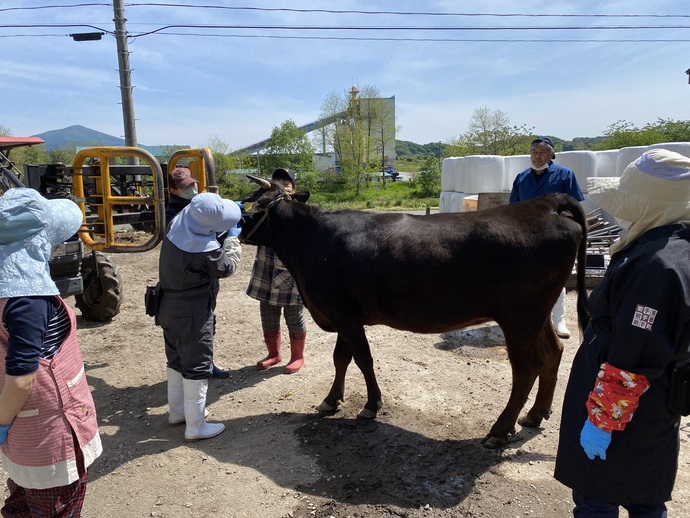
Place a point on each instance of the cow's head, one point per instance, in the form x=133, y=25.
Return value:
x=257, y=207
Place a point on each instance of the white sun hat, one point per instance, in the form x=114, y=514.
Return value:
x=194, y=229
x=653, y=191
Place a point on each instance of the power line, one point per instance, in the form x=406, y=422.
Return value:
x=407, y=28
x=348, y=11
x=39, y=7
x=54, y=26
x=405, y=13
x=443, y=40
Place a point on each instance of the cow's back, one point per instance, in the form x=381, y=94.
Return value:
x=440, y=272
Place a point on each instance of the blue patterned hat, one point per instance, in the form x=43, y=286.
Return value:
x=30, y=226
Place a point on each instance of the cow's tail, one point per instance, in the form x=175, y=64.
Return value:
x=579, y=216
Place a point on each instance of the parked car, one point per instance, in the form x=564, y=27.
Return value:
x=391, y=173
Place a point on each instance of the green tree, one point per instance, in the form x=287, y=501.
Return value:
x=288, y=147
x=166, y=151
x=621, y=134
x=625, y=134
x=673, y=131
x=489, y=132
x=61, y=156
x=224, y=162
x=429, y=177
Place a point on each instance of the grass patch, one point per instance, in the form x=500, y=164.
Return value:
x=373, y=196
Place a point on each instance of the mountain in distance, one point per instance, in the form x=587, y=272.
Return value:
x=79, y=136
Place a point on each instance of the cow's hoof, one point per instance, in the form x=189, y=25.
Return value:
x=365, y=413
x=529, y=421
x=325, y=406
x=492, y=442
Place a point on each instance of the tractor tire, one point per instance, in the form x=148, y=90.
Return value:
x=102, y=296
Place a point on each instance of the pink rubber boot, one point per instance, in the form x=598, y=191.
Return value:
x=272, y=339
x=296, y=352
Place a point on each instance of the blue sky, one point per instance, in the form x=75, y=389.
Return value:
x=198, y=84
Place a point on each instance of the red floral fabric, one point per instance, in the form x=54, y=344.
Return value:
x=615, y=396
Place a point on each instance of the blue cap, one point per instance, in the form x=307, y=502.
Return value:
x=544, y=140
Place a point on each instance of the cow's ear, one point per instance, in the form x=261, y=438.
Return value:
x=301, y=196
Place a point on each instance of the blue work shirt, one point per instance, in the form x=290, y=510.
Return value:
x=554, y=179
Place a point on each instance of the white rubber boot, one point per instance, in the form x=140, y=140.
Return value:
x=558, y=316
x=194, y=406
x=175, y=397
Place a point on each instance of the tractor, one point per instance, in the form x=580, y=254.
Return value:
x=122, y=193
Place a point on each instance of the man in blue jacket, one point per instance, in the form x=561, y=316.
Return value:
x=544, y=177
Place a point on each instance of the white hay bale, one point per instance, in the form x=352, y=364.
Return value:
x=607, y=164
x=459, y=175
x=481, y=173
x=444, y=201
x=582, y=163
x=514, y=165
x=448, y=174
x=456, y=200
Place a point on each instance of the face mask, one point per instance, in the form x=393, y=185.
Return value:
x=189, y=192
x=541, y=168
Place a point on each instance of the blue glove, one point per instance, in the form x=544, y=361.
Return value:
x=235, y=231
x=3, y=432
x=594, y=440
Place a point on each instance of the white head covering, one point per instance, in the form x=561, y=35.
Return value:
x=30, y=226
x=194, y=229
x=653, y=191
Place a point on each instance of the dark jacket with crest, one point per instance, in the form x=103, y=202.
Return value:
x=639, y=311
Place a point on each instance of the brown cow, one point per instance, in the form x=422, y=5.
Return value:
x=432, y=274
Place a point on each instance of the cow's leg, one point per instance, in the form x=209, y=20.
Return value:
x=352, y=343
x=362, y=355
x=526, y=365
x=551, y=352
x=342, y=356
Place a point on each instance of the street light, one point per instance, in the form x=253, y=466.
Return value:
x=87, y=36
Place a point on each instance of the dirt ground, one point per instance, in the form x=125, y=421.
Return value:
x=279, y=458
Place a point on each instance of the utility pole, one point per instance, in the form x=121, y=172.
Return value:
x=125, y=73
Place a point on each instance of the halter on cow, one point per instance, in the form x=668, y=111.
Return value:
x=432, y=274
